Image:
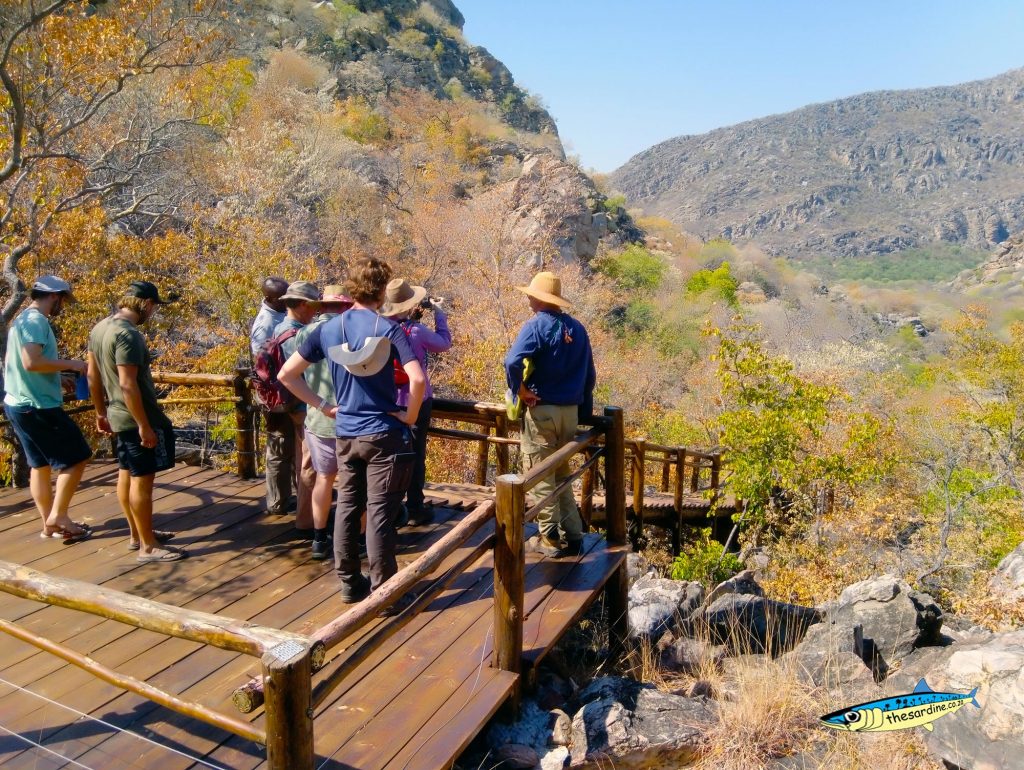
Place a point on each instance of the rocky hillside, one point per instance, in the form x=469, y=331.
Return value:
x=870, y=174
x=999, y=277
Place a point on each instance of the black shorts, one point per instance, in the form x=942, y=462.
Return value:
x=48, y=436
x=143, y=461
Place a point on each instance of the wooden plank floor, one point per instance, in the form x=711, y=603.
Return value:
x=415, y=703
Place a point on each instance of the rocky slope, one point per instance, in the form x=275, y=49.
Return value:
x=874, y=173
x=1000, y=277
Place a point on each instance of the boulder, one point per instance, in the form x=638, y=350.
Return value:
x=515, y=755
x=990, y=737
x=1008, y=581
x=657, y=605
x=687, y=655
x=754, y=624
x=741, y=583
x=626, y=724
x=894, y=618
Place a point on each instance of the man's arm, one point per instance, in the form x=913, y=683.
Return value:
x=291, y=377
x=128, y=379
x=33, y=360
x=97, y=395
x=524, y=347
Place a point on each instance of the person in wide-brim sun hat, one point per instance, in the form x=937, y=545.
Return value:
x=547, y=287
x=401, y=297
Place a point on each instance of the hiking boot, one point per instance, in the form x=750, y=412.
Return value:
x=322, y=549
x=355, y=589
x=544, y=546
x=420, y=517
x=573, y=548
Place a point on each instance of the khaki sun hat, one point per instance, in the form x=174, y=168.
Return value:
x=547, y=287
x=368, y=360
x=302, y=290
x=400, y=297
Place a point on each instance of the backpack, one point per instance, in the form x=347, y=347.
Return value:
x=271, y=395
x=401, y=378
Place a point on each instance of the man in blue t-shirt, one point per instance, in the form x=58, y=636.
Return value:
x=375, y=454
x=559, y=392
x=33, y=402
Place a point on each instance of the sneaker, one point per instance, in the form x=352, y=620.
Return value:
x=322, y=549
x=355, y=589
x=420, y=517
x=544, y=546
x=404, y=602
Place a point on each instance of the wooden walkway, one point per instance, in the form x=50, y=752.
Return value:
x=416, y=702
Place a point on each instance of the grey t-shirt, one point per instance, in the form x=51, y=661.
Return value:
x=116, y=342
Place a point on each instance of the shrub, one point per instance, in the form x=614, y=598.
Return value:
x=706, y=561
x=634, y=268
x=719, y=281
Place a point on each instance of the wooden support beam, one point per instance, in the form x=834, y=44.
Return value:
x=509, y=577
x=587, y=492
x=482, y=456
x=616, y=602
x=194, y=379
x=287, y=678
x=639, y=479
x=614, y=475
x=245, y=437
x=501, y=451
x=677, y=500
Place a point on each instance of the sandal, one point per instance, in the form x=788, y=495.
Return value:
x=161, y=554
x=68, y=537
x=160, y=535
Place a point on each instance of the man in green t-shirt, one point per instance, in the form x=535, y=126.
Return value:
x=33, y=402
x=126, y=405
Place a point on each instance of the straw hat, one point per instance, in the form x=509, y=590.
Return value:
x=547, y=287
x=400, y=297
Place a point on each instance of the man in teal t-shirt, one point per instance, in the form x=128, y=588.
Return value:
x=33, y=402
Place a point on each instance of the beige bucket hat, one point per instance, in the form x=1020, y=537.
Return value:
x=368, y=360
x=547, y=287
x=302, y=290
x=400, y=297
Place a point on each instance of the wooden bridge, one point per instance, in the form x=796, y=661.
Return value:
x=243, y=655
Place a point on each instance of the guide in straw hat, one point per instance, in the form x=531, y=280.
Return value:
x=559, y=392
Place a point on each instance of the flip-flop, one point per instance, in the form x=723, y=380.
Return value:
x=62, y=532
x=68, y=537
x=159, y=534
x=163, y=554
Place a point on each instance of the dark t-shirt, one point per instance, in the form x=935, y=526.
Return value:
x=116, y=342
x=364, y=403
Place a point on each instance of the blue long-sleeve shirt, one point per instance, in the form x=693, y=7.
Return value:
x=563, y=362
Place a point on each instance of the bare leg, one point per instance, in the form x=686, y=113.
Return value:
x=322, y=488
x=141, y=501
x=124, y=481
x=42, y=496
x=67, y=482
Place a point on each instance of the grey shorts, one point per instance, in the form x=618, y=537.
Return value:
x=323, y=452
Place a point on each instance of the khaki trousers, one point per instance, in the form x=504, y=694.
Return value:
x=546, y=429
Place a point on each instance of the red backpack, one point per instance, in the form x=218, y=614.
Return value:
x=271, y=395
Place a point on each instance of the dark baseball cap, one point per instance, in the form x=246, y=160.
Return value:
x=147, y=290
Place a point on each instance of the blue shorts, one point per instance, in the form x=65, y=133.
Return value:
x=48, y=436
x=145, y=461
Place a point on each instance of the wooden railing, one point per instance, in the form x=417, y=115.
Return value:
x=287, y=659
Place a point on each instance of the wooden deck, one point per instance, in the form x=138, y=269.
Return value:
x=415, y=703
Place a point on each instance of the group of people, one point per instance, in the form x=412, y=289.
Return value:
x=354, y=359
x=117, y=368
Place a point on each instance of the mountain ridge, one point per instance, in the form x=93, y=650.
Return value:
x=872, y=173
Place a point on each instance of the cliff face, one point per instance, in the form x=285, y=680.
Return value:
x=873, y=173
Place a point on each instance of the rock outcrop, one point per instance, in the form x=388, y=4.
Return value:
x=1008, y=581
x=934, y=164
x=657, y=605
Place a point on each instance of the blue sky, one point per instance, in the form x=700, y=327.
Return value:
x=621, y=76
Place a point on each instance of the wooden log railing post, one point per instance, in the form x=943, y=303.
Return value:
x=615, y=476
x=482, y=453
x=287, y=686
x=616, y=590
x=245, y=441
x=501, y=454
x=697, y=464
x=639, y=479
x=677, y=500
x=509, y=578
x=716, y=470
x=666, y=470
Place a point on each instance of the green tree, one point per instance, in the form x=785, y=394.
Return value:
x=634, y=269
x=718, y=281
